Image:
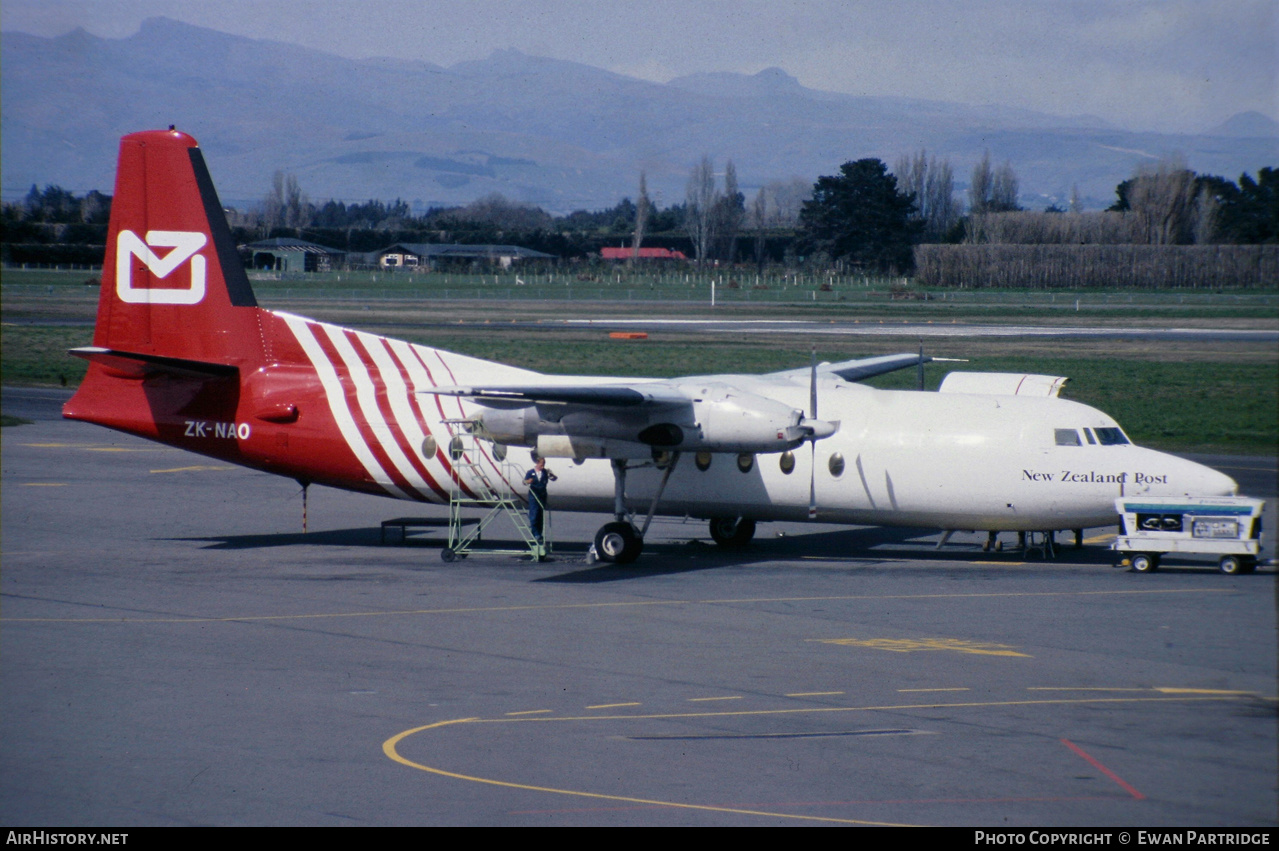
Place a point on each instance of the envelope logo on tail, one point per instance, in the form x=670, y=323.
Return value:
x=184, y=245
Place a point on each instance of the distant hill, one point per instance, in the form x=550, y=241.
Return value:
x=558, y=134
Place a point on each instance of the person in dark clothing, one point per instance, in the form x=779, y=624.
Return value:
x=537, y=479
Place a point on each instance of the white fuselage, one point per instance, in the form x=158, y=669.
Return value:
x=943, y=460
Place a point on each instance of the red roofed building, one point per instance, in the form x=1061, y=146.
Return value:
x=644, y=254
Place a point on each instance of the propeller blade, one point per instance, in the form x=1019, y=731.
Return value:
x=812, y=481
x=812, y=440
x=812, y=388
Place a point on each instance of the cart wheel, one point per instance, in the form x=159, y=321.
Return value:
x=1144, y=563
x=1230, y=565
x=447, y=554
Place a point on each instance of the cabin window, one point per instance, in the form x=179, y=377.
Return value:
x=429, y=446
x=745, y=461
x=703, y=460
x=836, y=464
x=787, y=462
x=1111, y=437
x=1067, y=437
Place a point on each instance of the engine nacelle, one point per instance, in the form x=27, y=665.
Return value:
x=716, y=419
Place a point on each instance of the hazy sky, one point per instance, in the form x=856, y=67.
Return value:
x=1181, y=65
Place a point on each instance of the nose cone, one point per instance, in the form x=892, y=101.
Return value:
x=1160, y=474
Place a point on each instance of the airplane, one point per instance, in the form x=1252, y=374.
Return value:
x=183, y=354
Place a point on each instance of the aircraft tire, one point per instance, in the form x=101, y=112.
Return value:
x=1144, y=563
x=732, y=531
x=618, y=542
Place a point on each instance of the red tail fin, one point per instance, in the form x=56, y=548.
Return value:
x=173, y=285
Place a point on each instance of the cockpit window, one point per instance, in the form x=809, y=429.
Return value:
x=1067, y=437
x=1110, y=436
x=1088, y=434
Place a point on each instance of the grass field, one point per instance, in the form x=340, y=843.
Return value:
x=1202, y=396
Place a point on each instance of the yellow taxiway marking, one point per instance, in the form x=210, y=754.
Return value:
x=910, y=645
x=915, y=690
x=1218, y=691
x=814, y=693
x=531, y=712
x=706, y=699
x=560, y=607
x=1083, y=688
x=197, y=467
x=44, y=484
x=391, y=746
x=612, y=705
x=1098, y=539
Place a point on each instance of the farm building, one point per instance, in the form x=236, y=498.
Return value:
x=293, y=255
x=421, y=255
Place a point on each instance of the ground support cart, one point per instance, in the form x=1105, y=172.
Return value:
x=1226, y=528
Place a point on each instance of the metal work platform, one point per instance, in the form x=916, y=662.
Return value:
x=476, y=486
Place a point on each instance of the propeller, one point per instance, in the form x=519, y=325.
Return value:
x=812, y=429
x=812, y=441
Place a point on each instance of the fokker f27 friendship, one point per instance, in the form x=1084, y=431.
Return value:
x=182, y=354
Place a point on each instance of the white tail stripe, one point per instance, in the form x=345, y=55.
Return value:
x=420, y=379
x=337, y=403
x=397, y=393
x=366, y=396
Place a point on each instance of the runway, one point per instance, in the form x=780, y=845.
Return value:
x=175, y=651
x=902, y=328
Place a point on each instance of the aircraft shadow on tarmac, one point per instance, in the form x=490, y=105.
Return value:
x=857, y=546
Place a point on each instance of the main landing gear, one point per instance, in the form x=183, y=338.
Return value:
x=732, y=532
x=620, y=542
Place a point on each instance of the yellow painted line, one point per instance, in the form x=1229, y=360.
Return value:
x=531, y=712
x=1068, y=688
x=559, y=607
x=910, y=645
x=611, y=705
x=706, y=699
x=44, y=484
x=390, y=745
x=814, y=693
x=1098, y=539
x=1223, y=692
x=115, y=449
x=1004, y=563
x=914, y=690
x=196, y=468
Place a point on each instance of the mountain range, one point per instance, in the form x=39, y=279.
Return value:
x=558, y=134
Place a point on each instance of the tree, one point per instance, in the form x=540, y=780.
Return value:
x=730, y=212
x=993, y=190
x=642, y=211
x=1249, y=212
x=701, y=199
x=933, y=185
x=860, y=217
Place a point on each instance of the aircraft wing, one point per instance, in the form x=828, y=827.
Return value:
x=587, y=395
x=856, y=370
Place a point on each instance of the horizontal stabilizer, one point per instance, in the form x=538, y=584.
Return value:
x=135, y=365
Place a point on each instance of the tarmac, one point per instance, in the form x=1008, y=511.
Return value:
x=175, y=650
